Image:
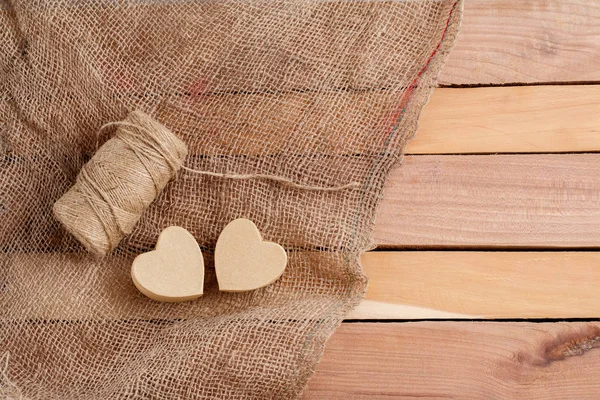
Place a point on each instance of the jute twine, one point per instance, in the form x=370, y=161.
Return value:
x=119, y=182
x=126, y=174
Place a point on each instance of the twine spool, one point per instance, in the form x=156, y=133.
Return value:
x=120, y=181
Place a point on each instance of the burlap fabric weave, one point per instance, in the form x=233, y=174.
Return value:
x=319, y=92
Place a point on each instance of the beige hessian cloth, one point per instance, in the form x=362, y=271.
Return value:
x=319, y=92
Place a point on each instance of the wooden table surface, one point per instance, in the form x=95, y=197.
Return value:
x=486, y=284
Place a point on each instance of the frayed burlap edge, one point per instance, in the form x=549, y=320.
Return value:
x=419, y=95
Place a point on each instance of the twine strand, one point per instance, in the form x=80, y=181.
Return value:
x=280, y=179
x=274, y=178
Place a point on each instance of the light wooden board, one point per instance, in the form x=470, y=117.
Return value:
x=402, y=285
x=501, y=41
x=519, y=119
x=431, y=284
x=507, y=41
x=468, y=120
x=492, y=201
x=460, y=361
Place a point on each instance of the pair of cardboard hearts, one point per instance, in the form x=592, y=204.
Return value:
x=174, y=271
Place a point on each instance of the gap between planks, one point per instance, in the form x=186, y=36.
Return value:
x=460, y=360
x=480, y=285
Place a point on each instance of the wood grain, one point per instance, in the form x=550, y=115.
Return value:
x=432, y=284
x=508, y=41
x=481, y=361
x=522, y=119
x=492, y=201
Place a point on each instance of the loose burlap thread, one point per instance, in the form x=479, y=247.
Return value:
x=320, y=93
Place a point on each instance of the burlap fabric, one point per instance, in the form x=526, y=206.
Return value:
x=320, y=92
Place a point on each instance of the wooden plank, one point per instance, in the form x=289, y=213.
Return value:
x=501, y=41
x=402, y=285
x=475, y=120
x=493, y=201
x=507, y=41
x=518, y=119
x=431, y=284
x=430, y=360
